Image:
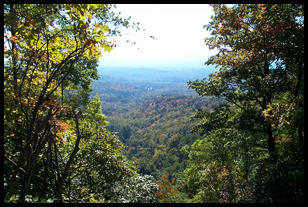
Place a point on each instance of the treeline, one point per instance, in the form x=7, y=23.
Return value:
x=116, y=96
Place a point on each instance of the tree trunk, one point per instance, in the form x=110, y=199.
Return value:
x=271, y=143
x=65, y=174
x=26, y=184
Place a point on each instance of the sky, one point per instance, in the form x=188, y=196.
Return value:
x=179, y=33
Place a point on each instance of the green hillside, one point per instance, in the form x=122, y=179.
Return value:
x=155, y=129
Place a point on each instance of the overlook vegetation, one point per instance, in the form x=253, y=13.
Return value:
x=73, y=135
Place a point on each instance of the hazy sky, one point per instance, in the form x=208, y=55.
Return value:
x=179, y=32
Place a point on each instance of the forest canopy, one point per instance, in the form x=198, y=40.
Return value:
x=244, y=142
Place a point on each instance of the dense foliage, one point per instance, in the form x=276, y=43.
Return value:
x=240, y=140
x=254, y=144
x=57, y=147
x=155, y=130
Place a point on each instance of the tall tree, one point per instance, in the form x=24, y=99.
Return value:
x=260, y=75
x=51, y=53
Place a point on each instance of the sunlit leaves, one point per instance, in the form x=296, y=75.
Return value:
x=261, y=81
x=51, y=54
x=167, y=192
x=135, y=189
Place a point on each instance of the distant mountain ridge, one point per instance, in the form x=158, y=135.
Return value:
x=119, y=87
x=152, y=75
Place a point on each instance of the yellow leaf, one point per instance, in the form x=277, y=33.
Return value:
x=105, y=29
x=12, y=197
x=89, y=15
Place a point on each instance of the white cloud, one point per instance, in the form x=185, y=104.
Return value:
x=178, y=29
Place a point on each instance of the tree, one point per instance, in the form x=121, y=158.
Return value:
x=135, y=189
x=98, y=164
x=51, y=54
x=125, y=133
x=260, y=64
x=167, y=193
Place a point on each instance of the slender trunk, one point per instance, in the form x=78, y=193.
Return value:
x=271, y=143
x=65, y=174
x=31, y=161
x=26, y=183
x=267, y=100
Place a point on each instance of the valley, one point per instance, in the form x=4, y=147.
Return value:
x=150, y=110
x=153, y=103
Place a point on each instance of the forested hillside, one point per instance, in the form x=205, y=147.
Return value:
x=155, y=131
x=152, y=118
x=77, y=133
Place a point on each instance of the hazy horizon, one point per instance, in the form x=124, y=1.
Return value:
x=179, y=32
